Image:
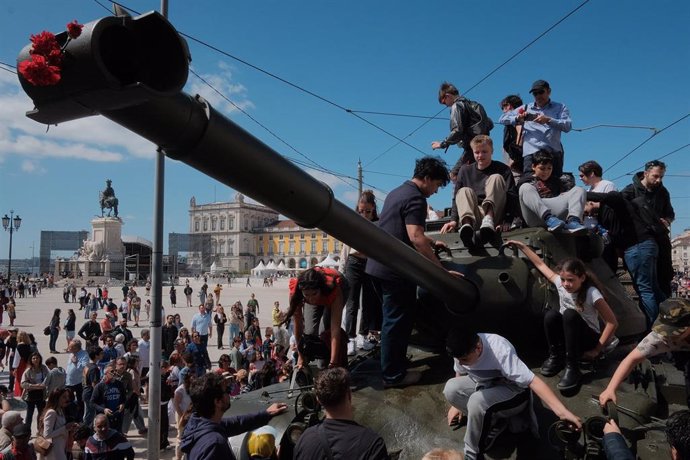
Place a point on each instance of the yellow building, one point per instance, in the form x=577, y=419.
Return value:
x=298, y=248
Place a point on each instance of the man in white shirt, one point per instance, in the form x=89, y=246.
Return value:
x=591, y=175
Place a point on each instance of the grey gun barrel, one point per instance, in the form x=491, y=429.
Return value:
x=188, y=129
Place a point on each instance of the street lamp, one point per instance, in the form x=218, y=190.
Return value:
x=11, y=223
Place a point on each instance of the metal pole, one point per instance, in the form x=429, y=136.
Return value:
x=9, y=262
x=155, y=427
x=359, y=179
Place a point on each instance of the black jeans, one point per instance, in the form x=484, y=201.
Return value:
x=361, y=284
x=571, y=330
x=220, y=330
x=30, y=407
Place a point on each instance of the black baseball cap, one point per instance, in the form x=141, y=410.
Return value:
x=539, y=85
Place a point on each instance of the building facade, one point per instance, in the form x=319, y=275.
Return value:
x=680, y=250
x=243, y=234
x=298, y=248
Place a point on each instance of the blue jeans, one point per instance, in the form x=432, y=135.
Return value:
x=234, y=332
x=399, y=300
x=641, y=261
x=53, y=338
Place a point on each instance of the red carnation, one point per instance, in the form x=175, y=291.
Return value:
x=44, y=43
x=38, y=72
x=74, y=29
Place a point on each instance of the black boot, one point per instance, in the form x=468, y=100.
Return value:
x=571, y=378
x=554, y=363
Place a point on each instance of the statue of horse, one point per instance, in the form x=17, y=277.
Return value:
x=109, y=202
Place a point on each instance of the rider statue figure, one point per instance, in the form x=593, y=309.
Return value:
x=108, y=199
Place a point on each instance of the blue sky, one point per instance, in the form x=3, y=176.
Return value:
x=622, y=63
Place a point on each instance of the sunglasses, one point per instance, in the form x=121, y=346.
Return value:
x=539, y=92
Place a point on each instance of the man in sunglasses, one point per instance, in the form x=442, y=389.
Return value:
x=543, y=121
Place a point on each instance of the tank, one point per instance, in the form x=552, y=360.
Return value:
x=131, y=71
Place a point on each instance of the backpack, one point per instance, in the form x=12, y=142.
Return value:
x=478, y=121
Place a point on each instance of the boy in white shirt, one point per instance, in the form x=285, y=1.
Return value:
x=491, y=385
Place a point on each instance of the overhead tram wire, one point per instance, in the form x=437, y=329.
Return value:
x=630, y=173
x=647, y=140
x=355, y=112
x=311, y=165
x=8, y=68
x=516, y=54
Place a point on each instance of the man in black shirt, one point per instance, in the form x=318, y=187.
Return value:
x=485, y=193
x=90, y=331
x=338, y=433
x=403, y=216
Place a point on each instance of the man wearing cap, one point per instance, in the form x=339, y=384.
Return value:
x=543, y=122
x=20, y=447
x=671, y=332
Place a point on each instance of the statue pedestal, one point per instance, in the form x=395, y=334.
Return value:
x=106, y=240
x=108, y=232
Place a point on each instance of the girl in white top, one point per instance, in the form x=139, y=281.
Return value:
x=573, y=332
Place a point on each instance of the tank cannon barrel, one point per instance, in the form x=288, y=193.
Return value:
x=188, y=129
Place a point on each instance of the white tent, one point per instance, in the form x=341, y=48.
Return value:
x=329, y=262
x=281, y=266
x=214, y=268
x=271, y=267
x=259, y=269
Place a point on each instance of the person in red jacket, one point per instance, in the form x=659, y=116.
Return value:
x=317, y=297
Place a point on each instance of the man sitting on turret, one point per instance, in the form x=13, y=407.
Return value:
x=485, y=194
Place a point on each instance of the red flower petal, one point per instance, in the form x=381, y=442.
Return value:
x=74, y=29
x=38, y=72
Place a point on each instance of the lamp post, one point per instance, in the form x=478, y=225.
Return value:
x=11, y=223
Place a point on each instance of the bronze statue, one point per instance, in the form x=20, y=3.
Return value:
x=108, y=199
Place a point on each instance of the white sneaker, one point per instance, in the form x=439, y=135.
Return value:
x=351, y=345
x=360, y=339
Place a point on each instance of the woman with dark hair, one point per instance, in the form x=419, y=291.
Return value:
x=220, y=319
x=33, y=389
x=70, y=326
x=317, y=299
x=54, y=329
x=53, y=425
x=361, y=284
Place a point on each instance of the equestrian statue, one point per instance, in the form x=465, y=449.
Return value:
x=108, y=199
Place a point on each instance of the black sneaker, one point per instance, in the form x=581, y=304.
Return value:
x=467, y=235
x=494, y=433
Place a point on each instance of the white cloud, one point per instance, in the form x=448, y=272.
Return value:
x=93, y=139
x=29, y=166
x=223, y=84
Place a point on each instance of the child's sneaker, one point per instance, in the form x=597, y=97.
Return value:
x=351, y=345
x=554, y=224
x=574, y=225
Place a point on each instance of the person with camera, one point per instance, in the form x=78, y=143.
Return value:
x=542, y=122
